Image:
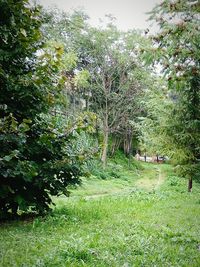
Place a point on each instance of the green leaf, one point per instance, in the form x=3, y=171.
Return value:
x=7, y=158
x=23, y=32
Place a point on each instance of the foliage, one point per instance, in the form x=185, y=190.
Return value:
x=176, y=50
x=114, y=81
x=153, y=126
x=37, y=159
x=71, y=31
x=108, y=75
x=114, y=168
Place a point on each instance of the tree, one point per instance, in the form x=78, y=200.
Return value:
x=36, y=157
x=176, y=49
x=105, y=77
x=154, y=120
x=115, y=86
x=70, y=30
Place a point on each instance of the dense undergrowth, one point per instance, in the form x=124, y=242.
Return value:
x=115, y=166
x=142, y=217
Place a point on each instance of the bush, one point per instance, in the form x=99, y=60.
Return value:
x=174, y=181
x=37, y=156
x=36, y=162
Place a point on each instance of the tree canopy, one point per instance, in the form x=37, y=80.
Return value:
x=37, y=158
x=176, y=50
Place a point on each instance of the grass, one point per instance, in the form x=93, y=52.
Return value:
x=114, y=222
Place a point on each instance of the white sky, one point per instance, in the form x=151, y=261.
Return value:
x=130, y=14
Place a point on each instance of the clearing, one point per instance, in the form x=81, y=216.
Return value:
x=144, y=217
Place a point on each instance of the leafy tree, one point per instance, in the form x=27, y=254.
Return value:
x=36, y=157
x=70, y=31
x=105, y=77
x=154, y=120
x=176, y=49
x=115, y=84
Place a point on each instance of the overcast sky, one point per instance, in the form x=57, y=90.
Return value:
x=129, y=13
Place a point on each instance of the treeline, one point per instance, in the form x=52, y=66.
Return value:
x=71, y=92
x=104, y=75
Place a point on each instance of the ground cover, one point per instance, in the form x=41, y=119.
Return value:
x=145, y=217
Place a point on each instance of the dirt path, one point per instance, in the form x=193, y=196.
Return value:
x=152, y=177
x=161, y=178
x=152, y=181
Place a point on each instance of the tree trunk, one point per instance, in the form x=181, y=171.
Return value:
x=157, y=158
x=104, y=149
x=129, y=153
x=87, y=103
x=190, y=185
x=127, y=143
x=145, y=156
x=115, y=144
x=105, y=132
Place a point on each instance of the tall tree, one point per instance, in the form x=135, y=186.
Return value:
x=35, y=157
x=106, y=74
x=114, y=84
x=177, y=50
x=155, y=119
x=71, y=30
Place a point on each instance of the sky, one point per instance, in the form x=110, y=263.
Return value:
x=129, y=14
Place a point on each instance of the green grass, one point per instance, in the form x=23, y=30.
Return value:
x=112, y=222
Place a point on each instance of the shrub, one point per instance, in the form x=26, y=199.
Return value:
x=37, y=157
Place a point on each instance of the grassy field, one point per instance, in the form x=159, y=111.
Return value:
x=143, y=217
